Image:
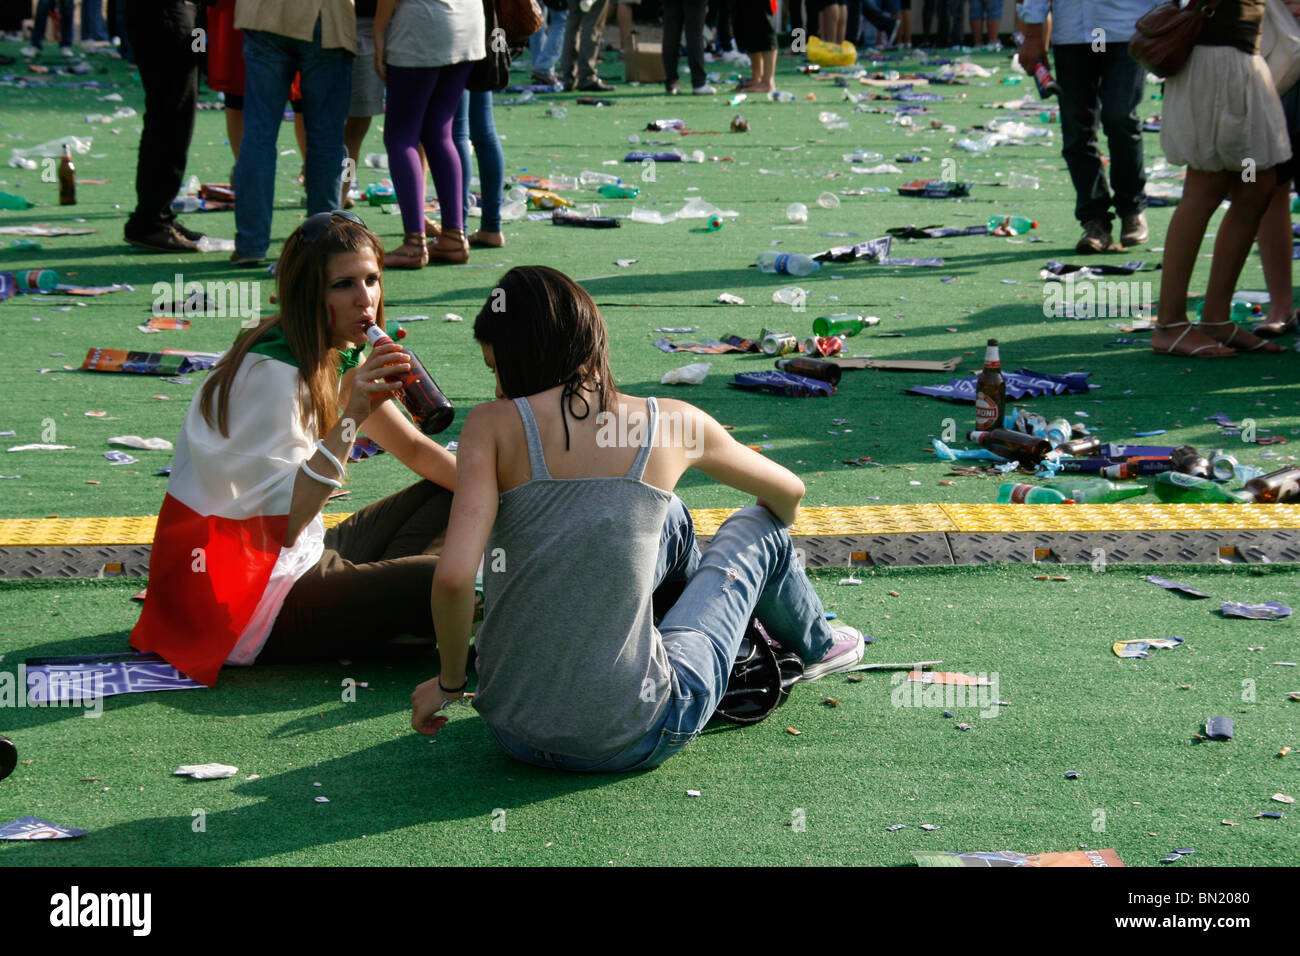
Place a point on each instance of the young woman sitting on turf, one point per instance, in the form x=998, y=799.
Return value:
x=567, y=485
x=242, y=567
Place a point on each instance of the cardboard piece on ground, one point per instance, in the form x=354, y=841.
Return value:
x=644, y=62
x=898, y=365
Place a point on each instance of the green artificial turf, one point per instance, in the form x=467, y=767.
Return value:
x=1145, y=786
x=788, y=155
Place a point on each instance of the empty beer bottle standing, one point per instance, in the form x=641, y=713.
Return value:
x=990, y=391
x=419, y=392
x=67, y=178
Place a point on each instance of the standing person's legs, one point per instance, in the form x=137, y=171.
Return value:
x=1276, y=240
x=367, y=99
x=1247, y=204
x=569, y=48
x=460, y=136
x=589, y=37
x=234, y=122
x=326, y=94
x=694, y=12
x=40, y=21
x=1123, y=82
x=672, y=41
x=92, y=21
x=491, y=167
x=409, y=91
x=169, y=72
x=66, y=16
x=269, y=65
x=440, y=148
x=1202, y=193
x=956, y=22
x=1079, y=72
x=626, y=25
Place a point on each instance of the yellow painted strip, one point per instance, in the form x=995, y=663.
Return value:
x=813, y=522
x=992, y=519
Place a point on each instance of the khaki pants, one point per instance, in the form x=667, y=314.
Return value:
x=373, y=582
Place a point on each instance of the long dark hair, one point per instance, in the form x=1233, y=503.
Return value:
x=301, y=275
x=545, y=331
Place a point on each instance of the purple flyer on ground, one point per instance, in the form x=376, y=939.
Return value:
x=75, y=679
x=1268, y=611
x=34, y=828
x=1175, y=586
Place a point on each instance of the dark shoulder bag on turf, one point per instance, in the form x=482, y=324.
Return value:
x=761, y=678
x=492, y=73
x=1164, y=36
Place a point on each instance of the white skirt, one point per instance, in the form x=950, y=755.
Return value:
x=1221, y=110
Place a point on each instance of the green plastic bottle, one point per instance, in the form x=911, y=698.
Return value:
x=1011, y=225
x=842, y=323
x=1016, y=493
x=615, y=191
x=10, y=201
x=1096, y=491
x=1176, y=488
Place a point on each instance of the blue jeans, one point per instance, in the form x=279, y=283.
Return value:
x=270, y=62
x=546, y=43
x=42, y=17
x=749, y=569
x=474, y=121
x=93, y=26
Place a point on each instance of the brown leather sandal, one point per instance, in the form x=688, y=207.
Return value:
x=451, y=247
x=431, y=228
x=413, y=253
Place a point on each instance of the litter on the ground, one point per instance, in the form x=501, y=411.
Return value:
x=206, y=771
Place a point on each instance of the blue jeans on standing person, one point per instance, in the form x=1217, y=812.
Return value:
x=93, y=26
x=749, y=569
x=270, y=61
x=42, y=18
x=545, y=45
x=474, y=121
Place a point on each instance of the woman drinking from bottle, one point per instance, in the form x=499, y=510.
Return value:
x=566, y=494
x=242, y=568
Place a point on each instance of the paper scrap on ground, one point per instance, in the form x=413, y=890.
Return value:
x=42, y=447
x=75, y=678
x=206, y=771
x=949, y=677
x=1091, y=859
x=34, y=828
x=1142, y=647
x=1268, y=611
x=135, y=441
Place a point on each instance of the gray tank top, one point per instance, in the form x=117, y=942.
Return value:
x=569, y=659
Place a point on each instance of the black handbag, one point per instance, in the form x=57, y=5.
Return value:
x=492, y=73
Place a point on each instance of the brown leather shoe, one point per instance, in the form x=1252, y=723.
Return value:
x=163, y=239
x=1096, y=238
x=1133, y=230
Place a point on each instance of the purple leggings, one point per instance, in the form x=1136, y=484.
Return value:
x=422, y=103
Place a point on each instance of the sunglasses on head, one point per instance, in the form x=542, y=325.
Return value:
x=313, y=227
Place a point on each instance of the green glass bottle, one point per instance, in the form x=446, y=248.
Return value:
x=842, y=323
x=1174, y=487
x=1096, y=491
x=616, y=191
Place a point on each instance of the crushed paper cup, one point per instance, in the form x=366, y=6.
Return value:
x=206, y=771
x=727, y=298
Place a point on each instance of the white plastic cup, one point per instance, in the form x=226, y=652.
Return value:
x=796, y=212
x=828, y=201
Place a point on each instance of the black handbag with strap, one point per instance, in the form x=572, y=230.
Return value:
x=1163, y=37
x=492, y=73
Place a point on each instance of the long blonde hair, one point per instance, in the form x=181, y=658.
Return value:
x=301, y=278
